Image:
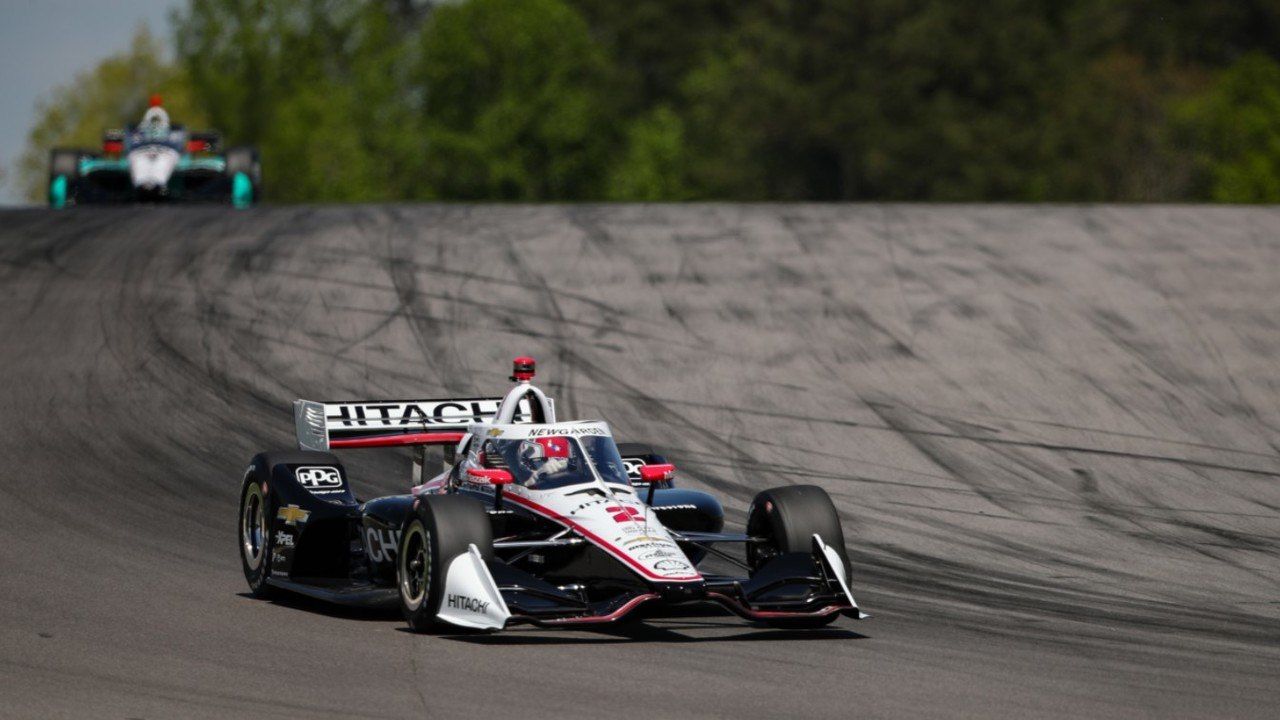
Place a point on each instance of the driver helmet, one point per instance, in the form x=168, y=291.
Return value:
x=544, y=456
x=155, y=123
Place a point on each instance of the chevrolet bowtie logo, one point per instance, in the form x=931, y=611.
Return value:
x=292, y=515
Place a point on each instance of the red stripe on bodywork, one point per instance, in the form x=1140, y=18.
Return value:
x=605, y=545
x=372, y=441
x=752, y=614
x=626, y=608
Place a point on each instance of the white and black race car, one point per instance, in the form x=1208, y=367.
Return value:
x=533, y=520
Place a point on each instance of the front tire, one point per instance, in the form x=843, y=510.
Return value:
x=244, y=171
x=788, y=518
x=441, y=528
x=64, y=171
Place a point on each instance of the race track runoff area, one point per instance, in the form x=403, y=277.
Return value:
x=1053, y=433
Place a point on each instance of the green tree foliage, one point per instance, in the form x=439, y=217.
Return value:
x=354, y=100
x=515, y=102
x=314, y=84
x=654, y=44
x=654, y=166
x=1107, y=135
x=1235, y=125
x=113, y=93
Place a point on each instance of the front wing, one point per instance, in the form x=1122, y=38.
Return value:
x=492, y=595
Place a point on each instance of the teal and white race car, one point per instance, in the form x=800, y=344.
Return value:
x=155, y=160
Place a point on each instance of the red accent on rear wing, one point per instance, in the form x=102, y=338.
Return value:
x=374, y=441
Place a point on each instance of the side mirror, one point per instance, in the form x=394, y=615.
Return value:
x=493, y=476
x=657, y=473
x=654, y=474
x=496, y=477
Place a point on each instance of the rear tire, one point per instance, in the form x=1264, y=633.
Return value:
x=256, y=511
x=440, y=528
x=789, y=517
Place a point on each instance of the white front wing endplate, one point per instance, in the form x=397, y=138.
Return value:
x=832, y=563
x=471, y=598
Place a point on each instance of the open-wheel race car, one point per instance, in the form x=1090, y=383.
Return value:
x=533, y=520
x=156, y=161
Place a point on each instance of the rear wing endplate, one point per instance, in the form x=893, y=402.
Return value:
x=323, y=426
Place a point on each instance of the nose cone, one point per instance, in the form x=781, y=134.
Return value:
x=151, y=167
x=681, y=592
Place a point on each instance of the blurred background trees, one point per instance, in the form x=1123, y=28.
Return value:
x=1055, y=100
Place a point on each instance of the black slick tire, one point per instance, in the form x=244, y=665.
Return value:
x=441, y=528
x=788, y=518
x=257, y=509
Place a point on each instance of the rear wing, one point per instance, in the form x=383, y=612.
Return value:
x=377, y=423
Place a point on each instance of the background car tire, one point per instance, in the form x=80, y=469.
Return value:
x=647, y=455
x=441, y=528
x=244, y=171
x=789, y=517
x=64, y=171
x=255, y=543
x=644, y=450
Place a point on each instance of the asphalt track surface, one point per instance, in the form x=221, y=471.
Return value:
x=1053, y=434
